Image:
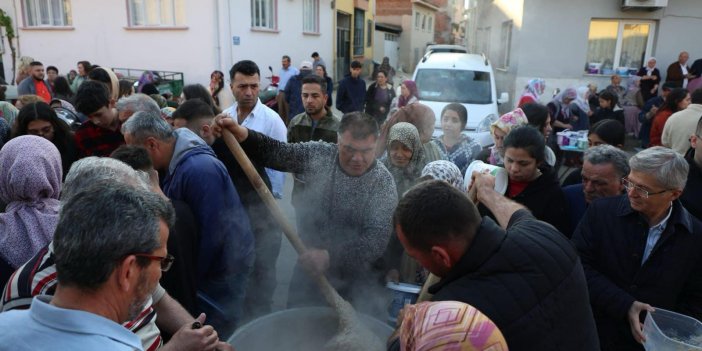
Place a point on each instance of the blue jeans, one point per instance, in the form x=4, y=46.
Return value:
x=222, y=299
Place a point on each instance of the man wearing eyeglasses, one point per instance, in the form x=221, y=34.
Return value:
x=641, y=250
x=110, y=249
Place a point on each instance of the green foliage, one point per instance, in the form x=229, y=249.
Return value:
x=6, y=21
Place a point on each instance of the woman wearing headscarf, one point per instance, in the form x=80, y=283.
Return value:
x=695, y=69
x=532, y=91
x=408, y=95
x=405, y=159
x=632, y=104
x=30, y=183
x=561, y=116
x=385, y=66
x=454, y=145
x=650, y=79
x=499, y=129
x=580, y=108
x=422, y=117
x=446, y=325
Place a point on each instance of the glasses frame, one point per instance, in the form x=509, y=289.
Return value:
x=628, y=185
x=165, y=261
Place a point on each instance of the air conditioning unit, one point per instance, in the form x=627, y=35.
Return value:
x=649, y=5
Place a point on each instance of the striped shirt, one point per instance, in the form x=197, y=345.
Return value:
x=38, y=277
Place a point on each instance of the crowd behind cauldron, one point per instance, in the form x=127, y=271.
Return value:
x=122, y=205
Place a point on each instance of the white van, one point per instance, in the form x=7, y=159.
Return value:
x=446, y=77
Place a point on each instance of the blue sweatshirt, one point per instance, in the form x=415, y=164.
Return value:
x=198, y=178
x=351, y=95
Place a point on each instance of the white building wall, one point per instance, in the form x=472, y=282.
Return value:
x=100, y=35
x=552, y=41
x=267, y=47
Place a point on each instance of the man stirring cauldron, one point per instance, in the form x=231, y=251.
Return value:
x=347, y=222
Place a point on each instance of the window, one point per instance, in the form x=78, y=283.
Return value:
x=359, y=18
x=310, y=16
x=149, y=13
x=505, y=44
x=46, y=13
x=369, y=33
x=453, y=85
x=417, y=20
x=431, y=22
x=618, y=46
x=483, y=36
x=263, y=14
x=424, y=22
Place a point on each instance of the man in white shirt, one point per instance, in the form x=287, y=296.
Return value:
x=251, y=113
x=285, y=74
x=682, y=124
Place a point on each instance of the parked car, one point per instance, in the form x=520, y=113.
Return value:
x=447, y=77
x=434, y=48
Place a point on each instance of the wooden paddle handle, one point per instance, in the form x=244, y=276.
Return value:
x=326, y=288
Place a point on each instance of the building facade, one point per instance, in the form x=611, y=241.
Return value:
x=355, y=27
x=188, y=36
x=416, y=18
x=573, y=43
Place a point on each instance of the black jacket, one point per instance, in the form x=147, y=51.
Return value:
x=373, y=106
x=529, y=281
x=351, y=94
x=611, y=240
x=545, y=199
x=690, y=197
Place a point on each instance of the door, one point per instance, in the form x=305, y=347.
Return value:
x=343, y=45
x=392, y=48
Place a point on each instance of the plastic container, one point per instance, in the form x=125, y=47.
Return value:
x=582, y=143
x=500, y=174
x=667, y=330
x=403, y=294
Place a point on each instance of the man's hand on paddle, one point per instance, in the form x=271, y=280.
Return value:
x=315, y=261
x=224, y=121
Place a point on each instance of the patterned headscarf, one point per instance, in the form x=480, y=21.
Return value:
x=9, y=112
x=582, y=99
x=412, y=87
x=446, y=171
x=420, y=115
x=448, y=325
x=534, y=88
x=405, y=177
x=30, y=183
x=505, y=123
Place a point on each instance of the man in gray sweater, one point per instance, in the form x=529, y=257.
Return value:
x=350, y=198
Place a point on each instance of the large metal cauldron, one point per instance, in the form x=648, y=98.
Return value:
x=297, y=329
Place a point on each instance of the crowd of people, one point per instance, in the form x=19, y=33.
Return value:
x=132, y=211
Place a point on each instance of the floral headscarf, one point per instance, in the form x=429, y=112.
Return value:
x=534, y=88
x=446, y=171
x=30, y=182
x=448, y=325
x=505, y=123
x=405, y=177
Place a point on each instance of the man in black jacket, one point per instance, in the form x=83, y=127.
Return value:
x=351, y=94
x=641, y=250
x=523, y=274
x=690, y=197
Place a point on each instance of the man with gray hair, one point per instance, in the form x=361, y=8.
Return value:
x=38, y=276
x=641, y=250
x=129, y=105
x=193, y=174
x=604, y=167
x=106, y=244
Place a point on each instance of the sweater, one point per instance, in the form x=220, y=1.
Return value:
x=679, y=127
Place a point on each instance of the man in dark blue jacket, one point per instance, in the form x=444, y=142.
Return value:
x=351, y=94
x=193, y=174
x=293, y=91
x=641, y=250
x=523, y=274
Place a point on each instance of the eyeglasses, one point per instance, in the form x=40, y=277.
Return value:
x=166, y=262
x=639, y=190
